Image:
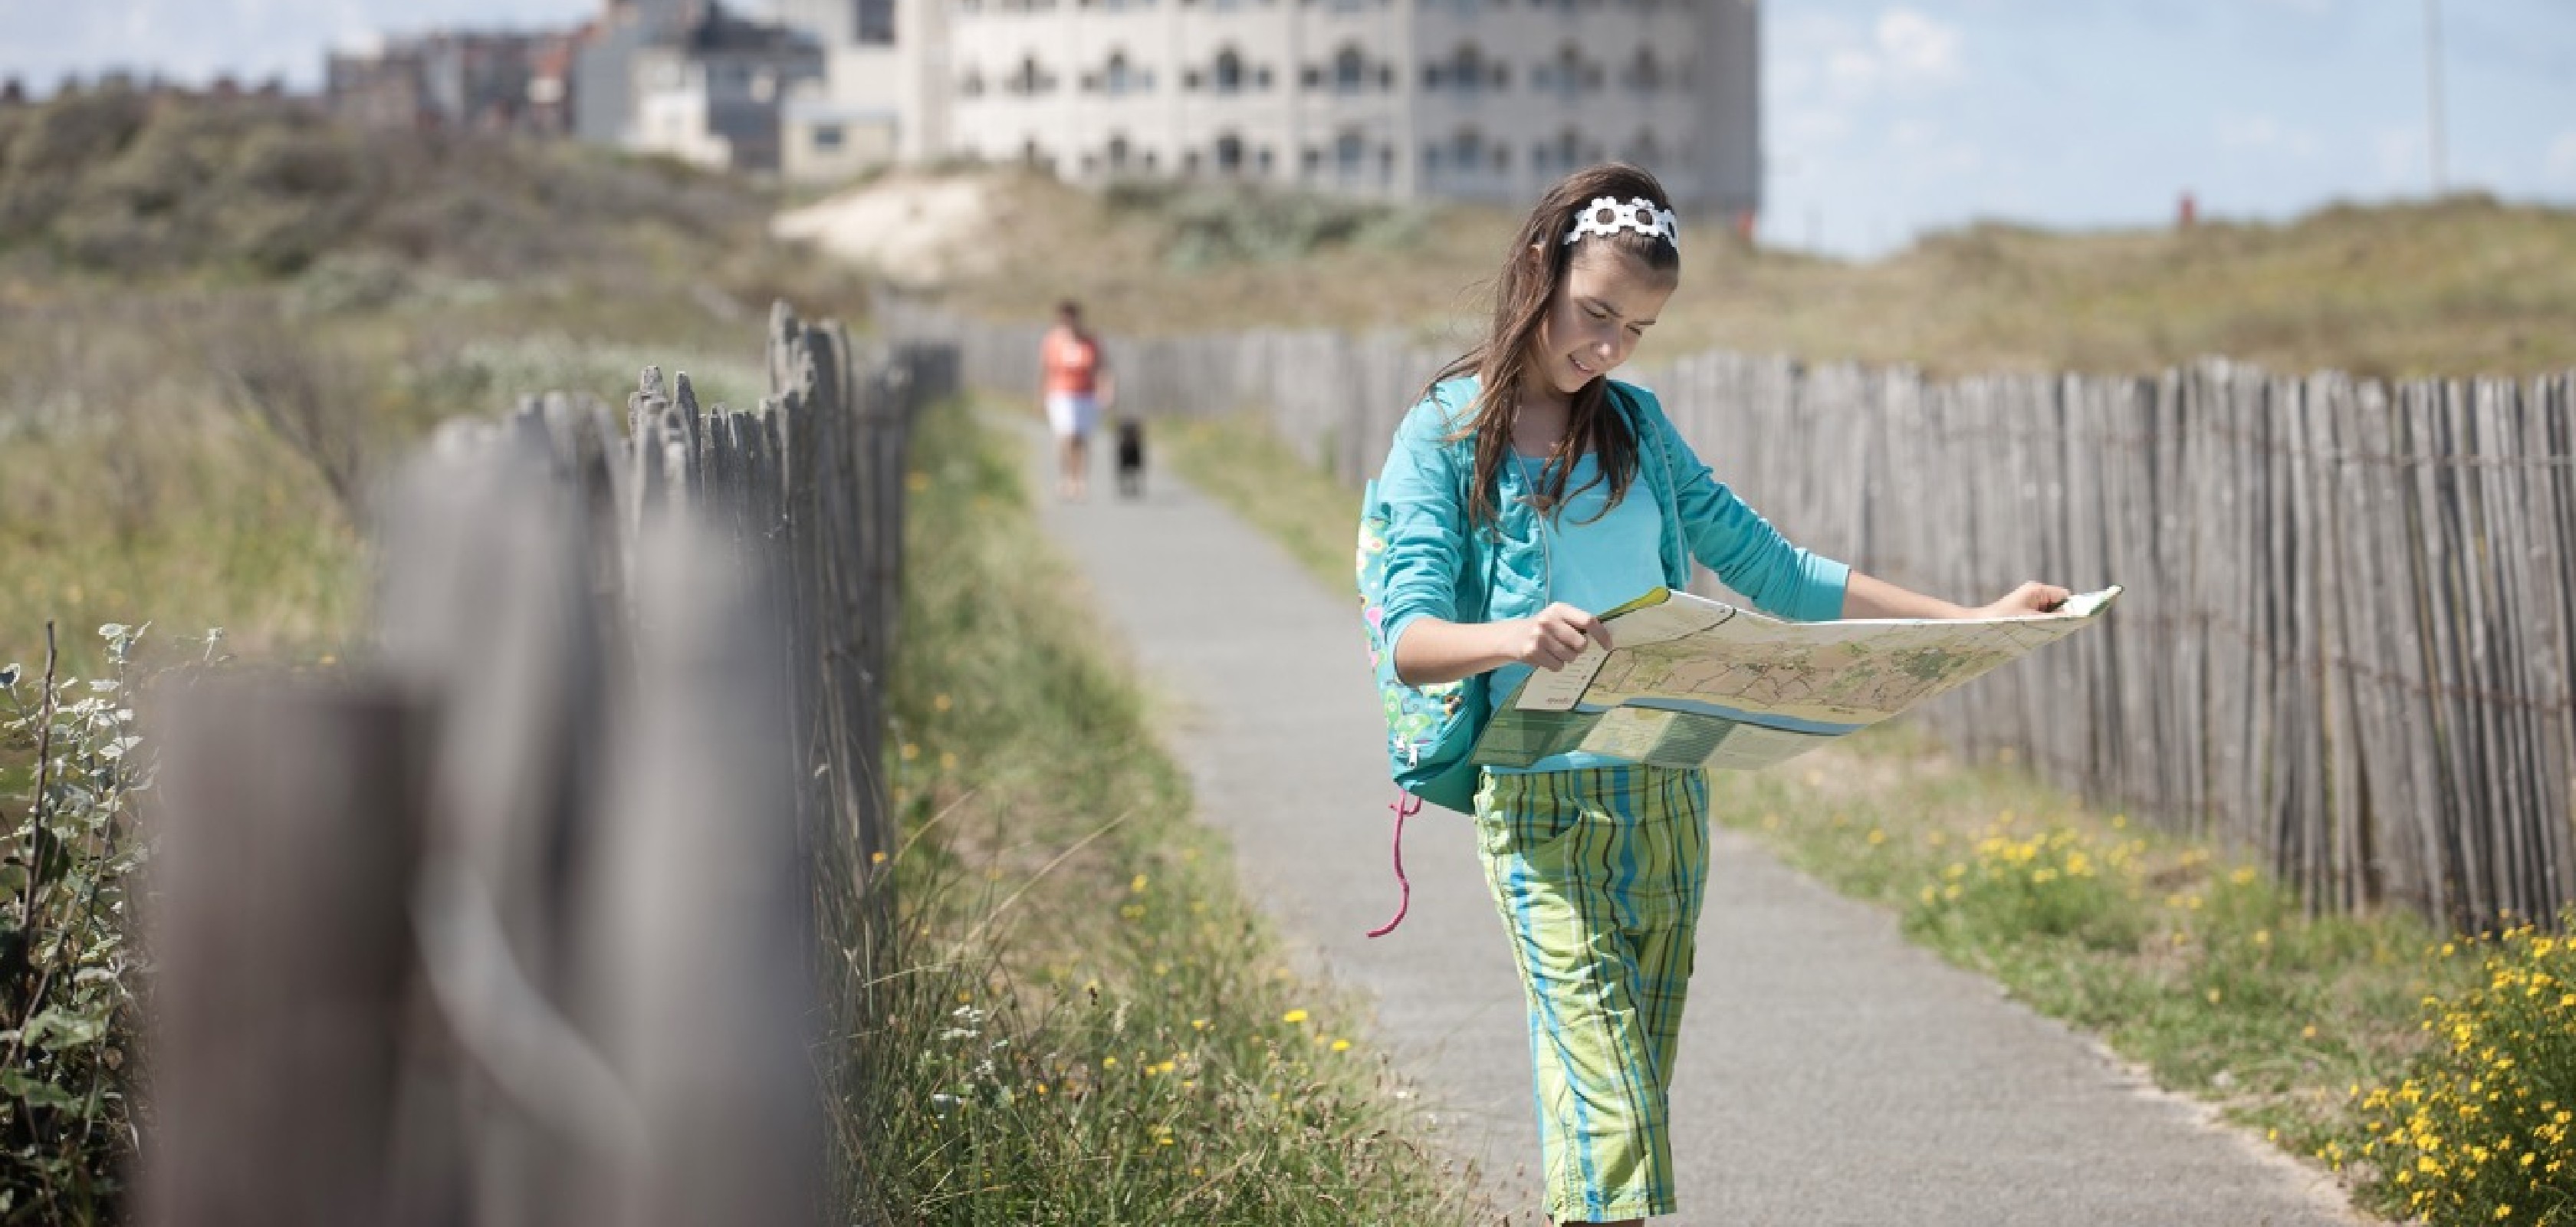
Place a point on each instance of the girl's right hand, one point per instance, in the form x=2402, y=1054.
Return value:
x=1551, y=637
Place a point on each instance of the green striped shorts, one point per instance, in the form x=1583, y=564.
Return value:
x=1599, y=874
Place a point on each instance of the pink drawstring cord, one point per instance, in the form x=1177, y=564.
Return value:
x=1405, y=806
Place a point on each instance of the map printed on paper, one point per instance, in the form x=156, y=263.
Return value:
x=1698, y=683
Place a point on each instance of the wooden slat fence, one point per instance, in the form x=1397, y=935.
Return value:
x=553, y=909
x=2346, y=643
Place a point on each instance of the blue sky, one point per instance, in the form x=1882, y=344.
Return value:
x=1883, y=119
x=1886, y=119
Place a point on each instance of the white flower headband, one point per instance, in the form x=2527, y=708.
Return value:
x=1606, y=217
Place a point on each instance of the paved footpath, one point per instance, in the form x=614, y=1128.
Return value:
x=1831, y=1073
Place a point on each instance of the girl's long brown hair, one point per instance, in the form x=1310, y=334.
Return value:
x=1532, y=271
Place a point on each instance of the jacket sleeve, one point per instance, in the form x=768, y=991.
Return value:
x=1426, y=544
x=1732, y=539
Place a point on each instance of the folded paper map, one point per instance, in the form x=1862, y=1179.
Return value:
x=1693, y=682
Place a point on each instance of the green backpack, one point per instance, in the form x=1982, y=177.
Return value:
x=1430, y=730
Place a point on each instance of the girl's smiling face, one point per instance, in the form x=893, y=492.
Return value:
x=1599, y=312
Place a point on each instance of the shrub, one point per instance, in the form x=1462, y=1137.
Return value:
x=131, y=186
x=1227, y=224
x=50, y=148
x=67, y=971
x=2050, y=883
x=2483, y=1127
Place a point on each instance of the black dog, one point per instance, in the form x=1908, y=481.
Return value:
x=1131, y=458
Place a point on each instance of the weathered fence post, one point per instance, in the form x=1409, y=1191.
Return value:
x=283, y=943
x=522, y=925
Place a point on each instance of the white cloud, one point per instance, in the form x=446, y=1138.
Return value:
x=2264, y=134
x=2562, y=157
x=1917, y=48
x=1902, y=48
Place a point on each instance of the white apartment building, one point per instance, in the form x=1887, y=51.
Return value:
x=1476, y=99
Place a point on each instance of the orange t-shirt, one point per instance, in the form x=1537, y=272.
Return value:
x=1072, y=363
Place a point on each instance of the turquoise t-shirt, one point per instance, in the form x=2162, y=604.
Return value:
x=1595, y=561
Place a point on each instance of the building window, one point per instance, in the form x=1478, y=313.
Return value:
x=827, y=136
x=1350, y=154
x=1466, y=70
x=1350, y=69
x=1566, y=74
x=1644, y=74
x=1464, y=155
x=1558, y=156
x=1121, y=77
x=1229, y=154
x=875, y=22
x=1229, y=76
x=1029, y=79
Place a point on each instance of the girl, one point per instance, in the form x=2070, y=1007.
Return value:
x=1525, y=490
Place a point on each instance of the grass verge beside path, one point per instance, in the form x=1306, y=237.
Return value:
x=1087, y=1023
x=2438, y=1074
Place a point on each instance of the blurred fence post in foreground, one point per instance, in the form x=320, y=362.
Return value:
x=2348, y=644
x=554, y=912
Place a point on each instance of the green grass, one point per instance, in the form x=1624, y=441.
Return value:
x=1088, y=1023
x=140, y=484
x=2205, y=971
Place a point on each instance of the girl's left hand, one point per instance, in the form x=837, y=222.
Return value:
x=2022, y=602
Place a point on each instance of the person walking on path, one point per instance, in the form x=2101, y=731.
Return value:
x=1076, y=387
x=1526, y=490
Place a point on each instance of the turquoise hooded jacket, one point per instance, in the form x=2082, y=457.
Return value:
x=1436, y=566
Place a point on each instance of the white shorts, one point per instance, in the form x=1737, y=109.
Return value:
x=1073, y=415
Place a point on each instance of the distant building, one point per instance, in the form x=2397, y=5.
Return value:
x=1473, y=99
x=382, y=86
x=712, y=89
x=603, y=76
x=851, y=119
x=482, y=81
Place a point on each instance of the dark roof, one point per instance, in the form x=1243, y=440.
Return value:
x=714, y=29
